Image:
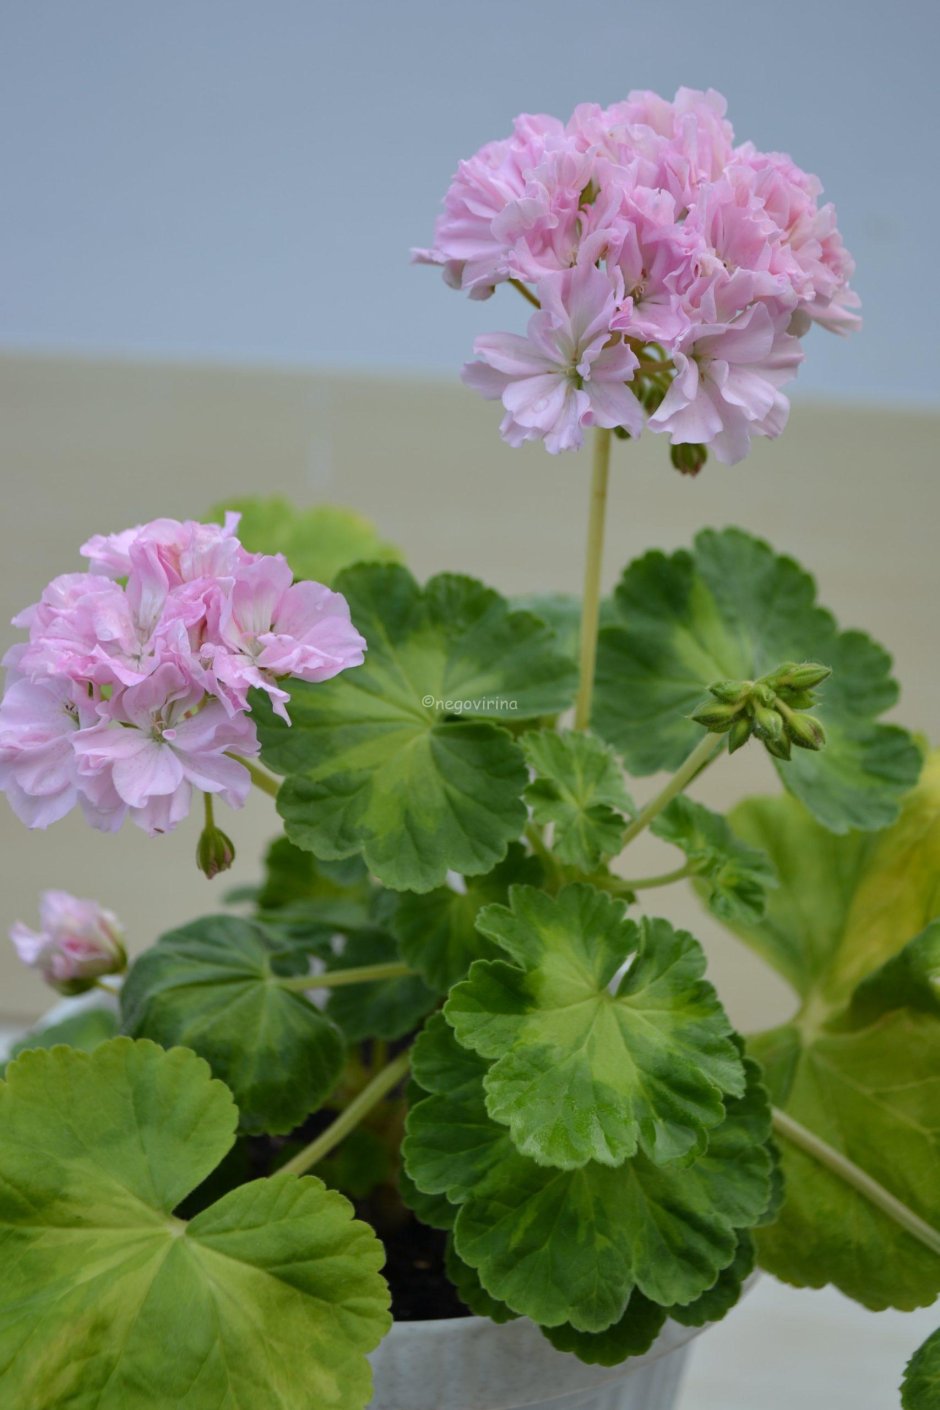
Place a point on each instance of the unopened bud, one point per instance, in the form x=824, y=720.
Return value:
x=763, y=694
x=767, y=723
x=214, y=851
x=730, y=692
x=739, y=734
x=798, y=699
x=715, y=716
x=689, y=458
x=650, y=394
x=805, y=731
x=780, y=748
x=805, y=676
x=622, y=433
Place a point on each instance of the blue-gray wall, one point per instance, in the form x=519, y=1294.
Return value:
x=221, y=179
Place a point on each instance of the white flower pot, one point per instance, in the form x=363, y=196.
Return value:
x=470, y=1363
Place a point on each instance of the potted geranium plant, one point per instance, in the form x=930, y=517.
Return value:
x=451, y=1024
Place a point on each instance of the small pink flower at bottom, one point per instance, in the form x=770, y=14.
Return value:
x=78, y=941
x=569, y=373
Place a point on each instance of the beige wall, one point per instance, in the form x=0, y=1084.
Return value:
x=86, y=447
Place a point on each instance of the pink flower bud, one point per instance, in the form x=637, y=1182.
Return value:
x=78, y=941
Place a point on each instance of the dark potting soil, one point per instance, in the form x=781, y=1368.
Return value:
x=414, y=1268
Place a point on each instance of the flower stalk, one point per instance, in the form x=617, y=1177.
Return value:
x=360, y=1106
x=337, y=978
x=859, y=1179
x=702, y=755
x=590, y=605
x=259, y=778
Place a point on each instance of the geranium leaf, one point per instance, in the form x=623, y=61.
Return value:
x=732, y=877
x=874, y=1096
x=84, y=1030
x=579, y=788
x=845, y=905
x=859, y=1064
x=214, y=986
x=434, y=1210
x=292, y=875
x=920, y=1389
x=910, y=980
x=717, y=1301
x=633, y=1334
x=583, y=1073
x=471, y=1291
x=270, y=1296
x=452, y=1142
x=437, y=931
x=732, y=609
x=305, y=902
x=571, y=1245
x=559, y=610
x=384, y=762
x=383, y=1008
x=317, y=543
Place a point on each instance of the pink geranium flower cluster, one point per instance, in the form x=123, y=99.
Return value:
x=674, y=271
x=132, y=689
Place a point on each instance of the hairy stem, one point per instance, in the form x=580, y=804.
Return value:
x=525, y=292
x=855, y=1176
x=336, y=978
x=348, y=1120
x=259, y=778
x=665, y=878
x=703, y=753
x=591, y=602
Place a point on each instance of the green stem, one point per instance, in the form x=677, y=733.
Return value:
x=336, y=978
x=855, y=1176
x=259, y=778
x=536, y=842
x=591, y=602
x=665, y=878
x=210, y=811
x=703, y=753
x=348, y=1120
x=525, y=292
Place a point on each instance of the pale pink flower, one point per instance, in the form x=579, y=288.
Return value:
x=568, y=373
x=790, y=196
x=78, y=941
x=740, y=253
x=271, y=627
x=128, y=695
x=727, y=381
x=673, y=146
x=172, y=738
x=652, y=254
x=186, y=550
x=39, y=722
x=692, y=233
x=511, y=208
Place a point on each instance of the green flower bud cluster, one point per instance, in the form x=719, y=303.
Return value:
x=772, y=708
